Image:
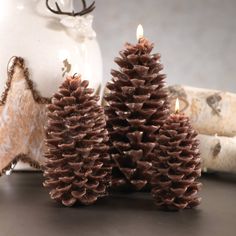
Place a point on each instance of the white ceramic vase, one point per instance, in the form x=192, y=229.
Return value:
x=51, y=45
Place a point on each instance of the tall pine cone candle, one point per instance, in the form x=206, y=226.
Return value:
x=77, y=167
x=176, y=165
x=136, y=108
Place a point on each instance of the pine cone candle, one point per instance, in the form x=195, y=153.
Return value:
x=136, y=108
x=77, y=167
x=176, y=165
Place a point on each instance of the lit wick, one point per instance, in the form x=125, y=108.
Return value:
x=139, y=32
x=177, y=106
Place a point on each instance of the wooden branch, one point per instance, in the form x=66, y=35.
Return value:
x=218, y=153
x=211, y=111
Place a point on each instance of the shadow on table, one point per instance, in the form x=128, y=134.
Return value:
x=220, y=177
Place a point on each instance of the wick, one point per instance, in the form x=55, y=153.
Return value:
x=177, y=112
x=74, y=75
x=141, y=39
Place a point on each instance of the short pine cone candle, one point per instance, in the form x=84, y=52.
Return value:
x=136, y=108
x=176, y=165
x=77, y=167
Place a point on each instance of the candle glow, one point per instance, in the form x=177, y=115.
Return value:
x=139, y=32
x=177, y=105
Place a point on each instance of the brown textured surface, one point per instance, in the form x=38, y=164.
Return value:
x=137, y=106
x=77, y=166
x=22, y=115
x=176, y=165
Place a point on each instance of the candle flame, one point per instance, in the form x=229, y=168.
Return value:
x=139, y=32
x=177, y=106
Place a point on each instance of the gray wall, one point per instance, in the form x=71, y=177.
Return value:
x=197, y=38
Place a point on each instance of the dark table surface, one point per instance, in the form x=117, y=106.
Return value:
x=26, y=210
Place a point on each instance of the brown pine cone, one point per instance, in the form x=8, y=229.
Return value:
x=136, y=108
x=176, y=165
x=77, y=169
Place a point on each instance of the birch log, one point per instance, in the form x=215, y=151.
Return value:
x=211, y=111
x=218, y=153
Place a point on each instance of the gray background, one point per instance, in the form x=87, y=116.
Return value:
x=197, y=38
